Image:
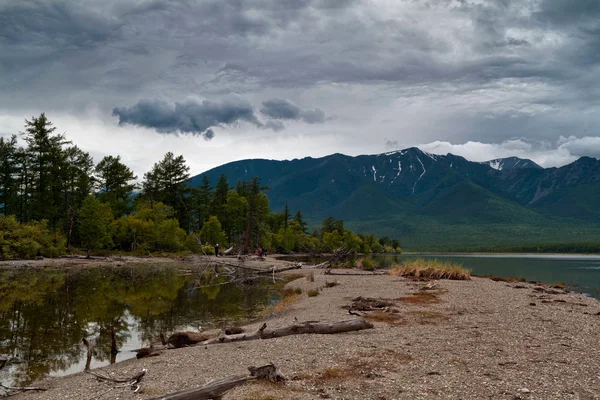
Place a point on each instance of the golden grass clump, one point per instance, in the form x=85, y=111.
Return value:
x=420, y=268
x=366, y=264
x=390, y=318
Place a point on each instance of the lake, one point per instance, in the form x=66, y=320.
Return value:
x=45, y=313
x=581, y=273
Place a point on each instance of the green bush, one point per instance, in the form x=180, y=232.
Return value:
x=29, y=240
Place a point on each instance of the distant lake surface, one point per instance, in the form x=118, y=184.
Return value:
x=44, y=314
x=581, y=273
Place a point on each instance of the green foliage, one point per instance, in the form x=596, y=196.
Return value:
x=212, y=232
x=114, y=184
x=28, y=240
x=166, y=182
x=96, y=224
x=332, y=240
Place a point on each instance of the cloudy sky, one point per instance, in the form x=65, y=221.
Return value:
x=223, y=80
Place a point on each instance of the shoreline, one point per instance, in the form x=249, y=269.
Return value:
x=473, y=339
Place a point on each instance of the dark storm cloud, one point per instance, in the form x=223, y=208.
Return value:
x=537, y=61
x=189, y=117
x=285, y=109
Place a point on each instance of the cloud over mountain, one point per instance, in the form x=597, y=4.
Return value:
x=285, y=109
x=192, y=116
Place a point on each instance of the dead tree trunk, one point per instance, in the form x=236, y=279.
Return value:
x=216, y=389
x=295, y=329
x=88, y=359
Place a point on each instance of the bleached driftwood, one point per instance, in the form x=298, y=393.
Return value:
x=295, y=329
x=216, y=389
x=228, y=251
x=274, y=269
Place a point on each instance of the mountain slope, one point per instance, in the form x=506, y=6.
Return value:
x=505, y=164
x=434, y=202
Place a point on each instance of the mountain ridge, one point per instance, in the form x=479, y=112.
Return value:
x=411, y=194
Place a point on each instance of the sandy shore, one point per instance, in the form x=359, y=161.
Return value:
x=470, y=340
x=79, y=262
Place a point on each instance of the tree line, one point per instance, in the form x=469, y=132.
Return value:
x=54, y=199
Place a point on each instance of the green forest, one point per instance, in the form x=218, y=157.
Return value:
x=55, y=200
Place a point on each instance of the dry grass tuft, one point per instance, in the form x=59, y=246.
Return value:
x=310, y=277
x=366, y=365
x=420, y=298
x=431, y=269
x=390, y=318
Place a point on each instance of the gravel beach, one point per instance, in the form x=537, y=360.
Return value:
x=476, y=339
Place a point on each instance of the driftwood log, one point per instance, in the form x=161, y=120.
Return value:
x=366, y=273
x=274, y=270
x=216, y=389
x=90, y=349
x=14, y=390
x=295, y=329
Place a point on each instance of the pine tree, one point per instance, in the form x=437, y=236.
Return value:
x=167, y=183
x=114, y=182
x=200, y=199
x=8, y=181
x=300, y=218
x=286, y=216
x=48, y=162
x=219, y=198
x=77, y=183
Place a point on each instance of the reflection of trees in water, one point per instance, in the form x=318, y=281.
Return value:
x=45, y=314
x=37, y=329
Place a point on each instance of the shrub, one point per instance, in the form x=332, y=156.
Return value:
x=28, y=240
x=313, y=293
x=365, y=264
x=431, y=268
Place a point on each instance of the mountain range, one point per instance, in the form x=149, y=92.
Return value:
x=435, y=202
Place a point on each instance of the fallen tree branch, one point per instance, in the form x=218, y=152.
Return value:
x=323, y=265
x=216, y=389
x=274, y=270
x=134, y=380
x=329, y=272
x=295, y=329
x=10, y=389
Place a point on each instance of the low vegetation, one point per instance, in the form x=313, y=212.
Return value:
x=421, y=268
x=312, y=293
x=366, y=264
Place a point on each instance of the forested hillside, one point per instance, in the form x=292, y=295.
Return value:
x=433, y=202
x=54, y=199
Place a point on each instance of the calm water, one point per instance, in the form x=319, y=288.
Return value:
x=44, y=314
x=580, y=273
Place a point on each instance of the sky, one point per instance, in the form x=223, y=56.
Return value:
x=224, y=80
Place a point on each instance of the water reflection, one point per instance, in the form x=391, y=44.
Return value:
x=44, y=314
